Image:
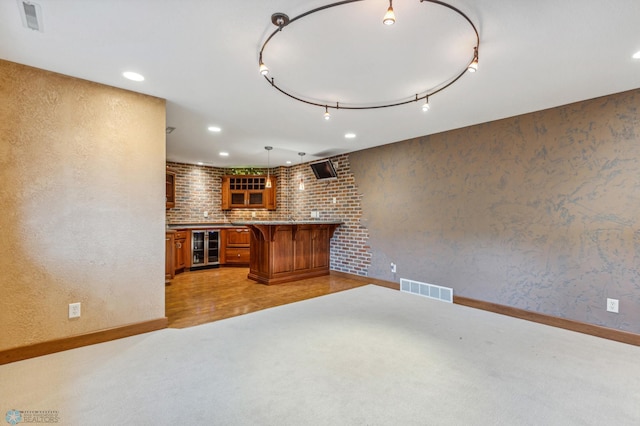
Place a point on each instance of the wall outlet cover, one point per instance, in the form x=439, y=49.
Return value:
x=74, y=310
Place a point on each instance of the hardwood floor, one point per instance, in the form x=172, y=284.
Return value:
x=199, y=297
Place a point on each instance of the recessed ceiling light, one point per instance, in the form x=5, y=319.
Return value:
x=214, y=129
x=288, y=162
x=350, y=135
x=200, y=163
x=224, y=154
x=636, y=55
x=134, y=76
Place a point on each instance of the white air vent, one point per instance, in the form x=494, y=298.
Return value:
x=427, y=290
x=31, y=14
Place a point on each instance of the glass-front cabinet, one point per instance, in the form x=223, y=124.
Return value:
x=248, y=192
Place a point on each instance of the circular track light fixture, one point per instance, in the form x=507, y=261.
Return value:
x=281, y=20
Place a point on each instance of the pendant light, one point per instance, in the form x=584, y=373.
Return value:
x=389, y=17
x=301, y=184
x=268, y=183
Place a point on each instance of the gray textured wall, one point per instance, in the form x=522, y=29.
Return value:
x=81, y=218
x=538, y=211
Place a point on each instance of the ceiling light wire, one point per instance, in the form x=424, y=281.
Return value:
x=473, y=63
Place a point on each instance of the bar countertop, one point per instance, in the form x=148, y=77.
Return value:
x=201, y=226
x=287, y=222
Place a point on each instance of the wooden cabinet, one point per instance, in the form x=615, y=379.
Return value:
x=171, y=190
x=248, y=192
x=235, y=246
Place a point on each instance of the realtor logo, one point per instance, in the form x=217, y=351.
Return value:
x=13, y=417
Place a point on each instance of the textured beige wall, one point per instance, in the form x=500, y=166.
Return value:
x=540, y=211
x=82, y=211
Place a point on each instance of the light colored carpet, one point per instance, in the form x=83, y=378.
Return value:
x=367, y=356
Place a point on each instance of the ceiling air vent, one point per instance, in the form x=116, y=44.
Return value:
x=31, y=14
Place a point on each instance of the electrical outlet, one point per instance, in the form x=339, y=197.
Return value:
x=206, y=214
x=253, y=214
x=612, y=305
x=74, y=310
x=393, y=267
x=335, y=200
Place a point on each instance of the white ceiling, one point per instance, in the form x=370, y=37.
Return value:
x=202, y=57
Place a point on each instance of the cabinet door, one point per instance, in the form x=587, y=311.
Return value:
x=170, y=182
x=181, y=256
x=320, y=247
x=237, y=237
x=237, y=199
x=255, y=199
x=226, y=196
x=270, y=195
x=169, y=256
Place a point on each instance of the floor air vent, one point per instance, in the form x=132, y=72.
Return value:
x=427, y=290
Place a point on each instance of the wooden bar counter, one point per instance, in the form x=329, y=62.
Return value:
x=288, y=251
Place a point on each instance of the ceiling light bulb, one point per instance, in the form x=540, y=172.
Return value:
x=326, y=113
x=636, y=55
x=263, y=69
x=389, y=17
x=425, y=105
x=214, y=129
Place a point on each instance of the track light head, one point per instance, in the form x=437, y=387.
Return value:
x=425, y=105
x=473, y=66
x=263, y=69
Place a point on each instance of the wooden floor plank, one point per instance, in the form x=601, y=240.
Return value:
x=199, y=297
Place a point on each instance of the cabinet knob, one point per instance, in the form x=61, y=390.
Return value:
x=238, y=254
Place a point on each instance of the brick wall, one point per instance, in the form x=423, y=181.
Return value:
x=198, y=189
x=349, y=246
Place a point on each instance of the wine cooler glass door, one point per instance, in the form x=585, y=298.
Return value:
x=198, y=257
x=213, y=248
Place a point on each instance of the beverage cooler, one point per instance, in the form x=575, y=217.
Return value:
x=205, y=248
